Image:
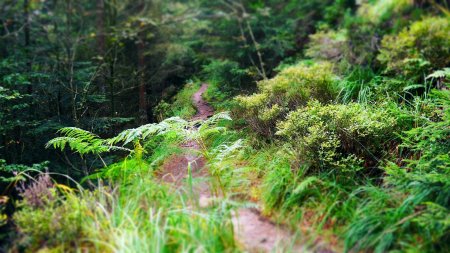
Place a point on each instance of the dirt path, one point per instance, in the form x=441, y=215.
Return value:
x=252, y=231
x=204, y=110
x=175, y=168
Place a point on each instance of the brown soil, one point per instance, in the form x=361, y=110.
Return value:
x=204, y=110
x=258, y=234
x=175, y=168
x=254, y=232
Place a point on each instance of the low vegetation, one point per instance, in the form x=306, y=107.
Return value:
x=332, y=119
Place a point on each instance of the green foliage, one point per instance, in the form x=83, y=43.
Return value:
x=134, y=135
x=222, y=158
x=414, y=201
x=180, y=105
x=373, y=171
x=58, y=224
x=328, y=45
x=440, y=74
x=380, y=11
x=424, y=45
x=80, y=141
x=145, y=216
x=278, y=181
x=292, y=88
x=387, y=220
x=338, y=136
x=102, y=216
x=359, y=86
x=218, y=99
x=226, y=74
x=12, y=172
x=85, y=142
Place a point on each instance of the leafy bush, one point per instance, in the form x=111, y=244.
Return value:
x=180, y=105
x=383, y=10
x=220, y=100
x=142, y=216
x=48, y=218
x=328, y=45
x=415, y=50
x=342, y=137
x=226, y=74
x=293, y=87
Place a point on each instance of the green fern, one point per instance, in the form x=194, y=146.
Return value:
x=443, y=73
x=143, y=132
x=80, y=141
x=84, y=142
x=211, y=125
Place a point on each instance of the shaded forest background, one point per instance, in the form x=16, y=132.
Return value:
x=106, y=65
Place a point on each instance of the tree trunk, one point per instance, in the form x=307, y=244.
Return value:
x=101, y=43
x=26, y=16
x=142, y=85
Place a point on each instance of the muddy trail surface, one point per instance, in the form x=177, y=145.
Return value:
x=253, y=232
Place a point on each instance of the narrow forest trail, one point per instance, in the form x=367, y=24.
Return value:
x=253, y=232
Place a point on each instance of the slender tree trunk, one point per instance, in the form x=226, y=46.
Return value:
x=101, y=43
x=26, y=16
x=257, y=48
x=111, y=88
x=70, y=50
x=238, y=9
x=245, y=16
x=142, y=84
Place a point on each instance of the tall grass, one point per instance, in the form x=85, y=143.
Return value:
x=130, y=210
x=149, y=217
x=141, y=215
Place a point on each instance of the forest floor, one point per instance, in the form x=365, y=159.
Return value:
x=253, y=232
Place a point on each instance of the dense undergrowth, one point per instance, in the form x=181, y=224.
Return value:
x=360, y=153
x=130, y=210
x=347, y=141
x=181, y=104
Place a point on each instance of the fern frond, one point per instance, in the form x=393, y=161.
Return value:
x=78, y=133
x=228, y=150
x=79, y=140
x=213, y=121
x=144, y=131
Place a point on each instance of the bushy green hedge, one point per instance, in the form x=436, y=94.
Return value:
x=292, y=88
x=417, y=49
x=338, y=136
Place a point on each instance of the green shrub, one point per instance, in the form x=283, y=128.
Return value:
x=180, y=105
x=292, y=88
x=219, y=99
x=290, y=192
x=328, y=45
x=278, y=180
x=423, y=46
x=226, y=74
x=342, y=137
x=142, y=215
x=384, y=10
x=47, y=217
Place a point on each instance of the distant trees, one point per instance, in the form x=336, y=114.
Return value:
x=101, y=65
x=92, y=64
